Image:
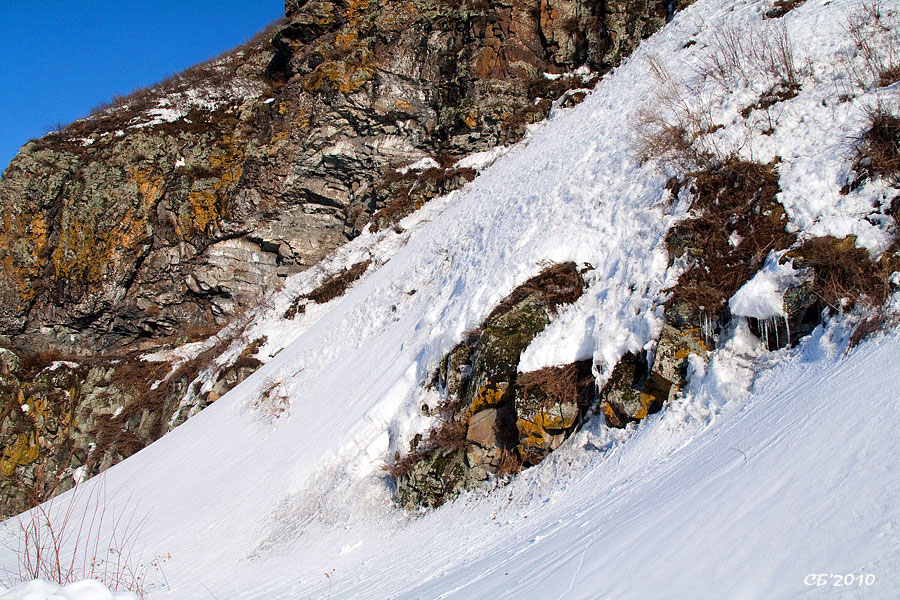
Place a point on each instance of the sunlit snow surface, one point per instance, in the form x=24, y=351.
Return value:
x=770, y=468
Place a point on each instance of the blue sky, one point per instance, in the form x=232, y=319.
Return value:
x=60, y=58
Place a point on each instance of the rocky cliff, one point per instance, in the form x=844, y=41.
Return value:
x=161, y=216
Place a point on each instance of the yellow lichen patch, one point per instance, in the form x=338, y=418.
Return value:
x=646, y=402
x=554, y=417
x=301, y=120
x=356, y=9
x=346, y=76
x=25, y=450
x=489, y=395
x=397, y=15
x=530, y=434
x=203, y=212
x=347, y=39
x=609, y=413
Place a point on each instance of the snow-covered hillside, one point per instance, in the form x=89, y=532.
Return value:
x=770, y=467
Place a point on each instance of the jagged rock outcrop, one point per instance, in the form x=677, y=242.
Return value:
x=493, y=423
x=162, y=215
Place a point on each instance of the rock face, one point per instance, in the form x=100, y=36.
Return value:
x=637, y=387
x=125, y=226
x=160, y=216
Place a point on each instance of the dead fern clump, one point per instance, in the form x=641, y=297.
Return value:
x=338, y=283
x=878, y=153
x=570, y=383
x=738, y=223
x=449, y=436
x=845, y=273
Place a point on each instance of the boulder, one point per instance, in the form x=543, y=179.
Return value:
x=624, y=398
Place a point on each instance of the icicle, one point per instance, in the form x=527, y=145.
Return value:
x=787, y=328
x=775, y=327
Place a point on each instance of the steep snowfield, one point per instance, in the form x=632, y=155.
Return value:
x=769, y=468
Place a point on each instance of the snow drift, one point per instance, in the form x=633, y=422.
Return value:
x=769, y=468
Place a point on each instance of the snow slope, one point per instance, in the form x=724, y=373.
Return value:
x=769, y=468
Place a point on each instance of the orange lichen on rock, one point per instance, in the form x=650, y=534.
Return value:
x=88, y=250
x=207, y=207
x=149, y=186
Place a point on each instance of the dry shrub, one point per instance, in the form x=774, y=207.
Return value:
x=570, y=383
x=843, y=271
x=65, y=540
x=736, y=198
x=272, y=403
x=739, y=55
x=782, y=7
x=338, y=283
x=510, y=463
x=874, y=34
x=878, y=153
x=673, y=125
x=448, y=436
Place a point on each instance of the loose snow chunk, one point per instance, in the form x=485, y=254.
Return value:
x=762, y=296
x=481, y=160
x=87, y=589
x=420, y=165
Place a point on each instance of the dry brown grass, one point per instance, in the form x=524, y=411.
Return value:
x=738, y=197
x=338, y=283
x=865, y=329
x=845, y=273
x=570, y=383
x=558, y=284
x=878, y=153
x=510, y=463
x=448, y=436
x=410, y=191
x=214, y=76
